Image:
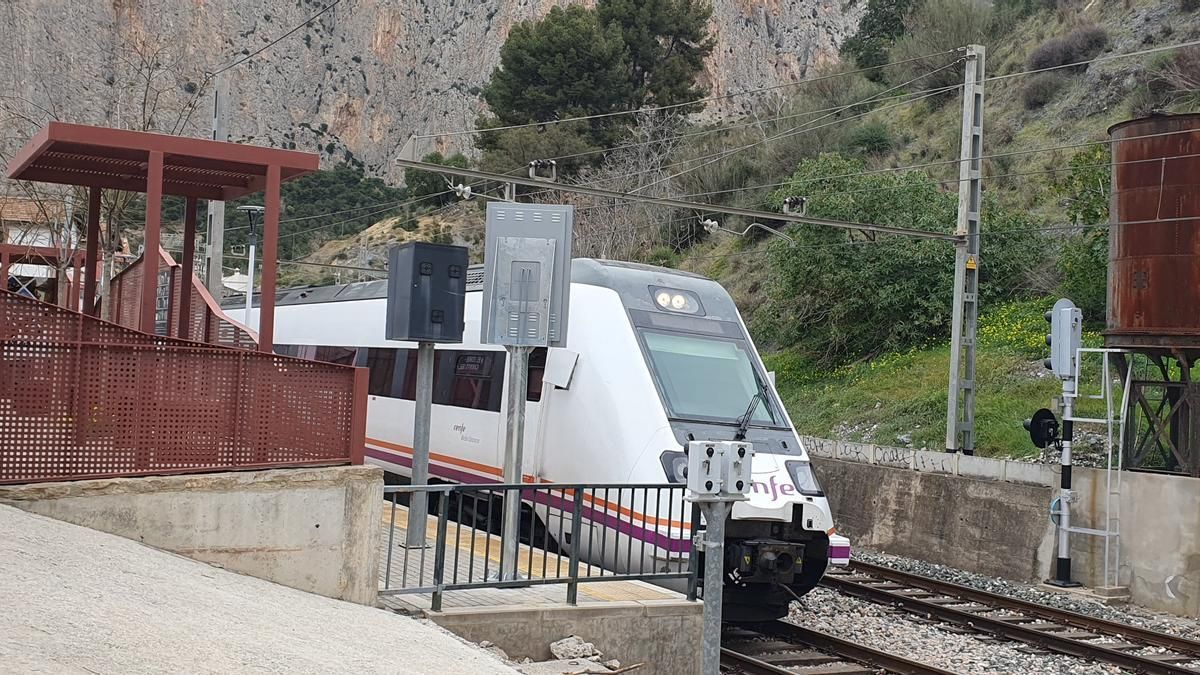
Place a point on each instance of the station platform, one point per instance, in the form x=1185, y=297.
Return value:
x=476, y=554
x=632, y=621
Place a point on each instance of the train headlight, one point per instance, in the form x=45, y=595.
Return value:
x=804, y=479
x=674, y=464
x=675, y=300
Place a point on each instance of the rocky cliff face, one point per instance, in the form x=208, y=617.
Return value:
x=358, y=82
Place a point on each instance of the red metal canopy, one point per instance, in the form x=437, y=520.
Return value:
x=158, y=165
x=76, y=154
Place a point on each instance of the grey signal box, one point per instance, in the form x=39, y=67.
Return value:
x=527, y=274
x=427, y=286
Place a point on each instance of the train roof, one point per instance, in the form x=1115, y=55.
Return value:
x=613, y=274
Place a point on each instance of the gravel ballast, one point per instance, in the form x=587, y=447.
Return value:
x=1130, y=614
x=901, y=634
x=907, y=635
x=81, y=601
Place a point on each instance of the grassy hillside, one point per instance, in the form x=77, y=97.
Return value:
x=900, y=399
x=838, y=368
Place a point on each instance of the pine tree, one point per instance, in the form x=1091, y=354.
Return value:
x=668, y=41
x=565, y=65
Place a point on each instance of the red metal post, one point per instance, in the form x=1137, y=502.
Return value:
x=4, y=268
x=189, y=256
x=73, y=293
x=358, y=416
x=154, y=190
x=92, y=262
x=270, y=250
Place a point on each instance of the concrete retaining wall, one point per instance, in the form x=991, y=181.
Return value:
x=316, y=529
x=992, y=516
x=961, y=522
x=663, y=634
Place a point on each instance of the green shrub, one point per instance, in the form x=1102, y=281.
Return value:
x=878, y=30
x=933, y=33
x=1083, y=274
x=839, y=296
x=1041, y=89
x=1080, y=44
x=872, y=138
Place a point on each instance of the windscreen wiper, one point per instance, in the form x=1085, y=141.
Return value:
x=744, y=420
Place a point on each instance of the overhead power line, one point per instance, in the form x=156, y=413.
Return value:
x=1098, y=59
x=678, y=204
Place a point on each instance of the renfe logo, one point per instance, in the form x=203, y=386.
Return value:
x=773, y=488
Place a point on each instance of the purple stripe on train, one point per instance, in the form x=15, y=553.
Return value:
x=651, y=537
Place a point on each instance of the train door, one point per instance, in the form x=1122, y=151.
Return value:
x=534, y=420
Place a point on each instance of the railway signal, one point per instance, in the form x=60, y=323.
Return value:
x=1065, y=339
x=1042, y=428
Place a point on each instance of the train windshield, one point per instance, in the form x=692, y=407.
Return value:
x=708, y=378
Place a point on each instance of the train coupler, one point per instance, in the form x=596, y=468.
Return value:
x=765, y=560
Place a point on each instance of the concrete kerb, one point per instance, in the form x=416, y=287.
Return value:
x=932, y=461
x=660, y=633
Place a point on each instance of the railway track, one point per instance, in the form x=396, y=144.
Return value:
x=782, y=648
x=1043, y=628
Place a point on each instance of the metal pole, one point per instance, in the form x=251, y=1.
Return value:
x=714, y=571
x=250, y=278
x=216, y=209
x=1062, y=566
x=418, y=506
x=514, y=449
x=960, y=403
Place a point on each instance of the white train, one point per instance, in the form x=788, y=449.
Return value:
x=654, y=357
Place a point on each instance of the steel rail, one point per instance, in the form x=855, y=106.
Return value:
x=1175, y=643
x=751, y=665
x=852, y=650
x=1013, y=631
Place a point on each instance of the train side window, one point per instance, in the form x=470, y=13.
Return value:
x=476, y=379
x=382, y=364
x=344, y=356
x=287, y=350
x=461, y=378
x=537, y=369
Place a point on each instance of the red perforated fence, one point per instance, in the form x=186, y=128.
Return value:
x=207, y=323
x=84, y=398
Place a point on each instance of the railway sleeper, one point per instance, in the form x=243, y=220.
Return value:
x=800, y=659
x=756, y=647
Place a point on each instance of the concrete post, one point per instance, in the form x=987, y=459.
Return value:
x=514, y=450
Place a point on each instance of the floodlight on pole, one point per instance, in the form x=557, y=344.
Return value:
x=250, y=212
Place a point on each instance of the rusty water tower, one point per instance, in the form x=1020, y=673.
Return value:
x=1154, y=286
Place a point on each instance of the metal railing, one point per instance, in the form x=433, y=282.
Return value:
x=206, y=321
x=84, y=398
x=570, y=533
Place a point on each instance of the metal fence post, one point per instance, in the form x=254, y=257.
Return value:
x=439, y=554
x=573, y=568
x=693, y=560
